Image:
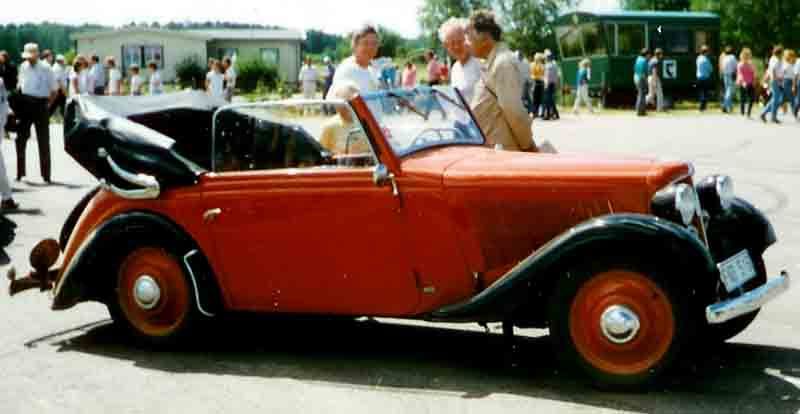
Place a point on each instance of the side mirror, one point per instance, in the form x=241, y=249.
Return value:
x=381, y=176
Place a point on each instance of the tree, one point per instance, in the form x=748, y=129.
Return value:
x=661, y=5
x=757, y=24
x=391, y=42
x=435, y=12
x=527, y=23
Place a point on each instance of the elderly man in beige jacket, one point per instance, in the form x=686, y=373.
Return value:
x=497, y=103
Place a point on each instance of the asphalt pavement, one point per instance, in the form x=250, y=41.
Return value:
x=76, y=362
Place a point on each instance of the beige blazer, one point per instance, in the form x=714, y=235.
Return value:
x=498, y=103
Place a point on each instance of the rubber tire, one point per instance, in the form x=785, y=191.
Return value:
x=721, y=332
x=180, y=334
x=559, y=309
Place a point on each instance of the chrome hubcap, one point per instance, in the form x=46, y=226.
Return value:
x=619, y=324
x=146, y=292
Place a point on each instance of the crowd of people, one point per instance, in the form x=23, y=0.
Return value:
x=487, y=73
x=778, y=87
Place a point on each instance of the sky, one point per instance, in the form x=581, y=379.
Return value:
x=332, y=16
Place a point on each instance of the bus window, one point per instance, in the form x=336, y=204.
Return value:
x=672, y=40
x=704, y=37
x=630, y=39
x=570, y=39
x=594, y=39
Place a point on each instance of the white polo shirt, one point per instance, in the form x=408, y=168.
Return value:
x=349, y=70
x=36, y=80
x=465, y=77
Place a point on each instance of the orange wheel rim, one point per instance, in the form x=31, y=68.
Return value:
x=635, y=351
x=152, y=291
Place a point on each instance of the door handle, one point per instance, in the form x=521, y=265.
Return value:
x=211, y=215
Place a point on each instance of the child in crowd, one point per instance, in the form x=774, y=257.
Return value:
x=215, y=81
x=340, y=135
x=135, y=81
x=8, y=202
x=156, y=87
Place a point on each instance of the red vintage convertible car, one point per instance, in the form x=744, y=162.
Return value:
x=377, y=207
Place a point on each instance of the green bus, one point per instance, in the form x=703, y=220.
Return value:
x=613, y=40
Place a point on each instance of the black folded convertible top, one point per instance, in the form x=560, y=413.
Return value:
x=133, y=131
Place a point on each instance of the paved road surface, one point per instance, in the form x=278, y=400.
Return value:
x=74, y=362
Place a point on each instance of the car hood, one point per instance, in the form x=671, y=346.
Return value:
x=479, y=166
x=508, y=204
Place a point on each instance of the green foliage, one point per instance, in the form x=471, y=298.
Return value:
x=318, y=42
x=391, y=42
x=52, y=36
x=757, y=24
x=254, y=73
x=69, y=56
x=435, y=12
x=190, y=73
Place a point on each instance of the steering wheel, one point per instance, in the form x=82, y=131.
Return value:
x=421, y=139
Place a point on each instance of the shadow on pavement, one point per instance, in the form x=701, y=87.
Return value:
x=366, y=354
x=24, y=212
x=68, y=186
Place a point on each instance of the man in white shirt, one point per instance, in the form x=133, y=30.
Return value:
x=356, y=68
x=97, y=74
x=466, y=71
x=729, y=69
x=308, y=79
x=61, y=74
x=37, y=87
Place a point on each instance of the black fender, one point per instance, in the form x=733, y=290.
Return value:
x=74, y=215
x=741, y=226
x=632, y=234
x=89, y=274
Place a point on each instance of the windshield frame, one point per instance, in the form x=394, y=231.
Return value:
x=366, y=98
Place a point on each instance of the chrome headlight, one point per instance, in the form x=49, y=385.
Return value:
x=678, y=203
x=716, y=193
x=686, y=202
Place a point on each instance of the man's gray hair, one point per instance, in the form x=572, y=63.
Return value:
x=450, y=24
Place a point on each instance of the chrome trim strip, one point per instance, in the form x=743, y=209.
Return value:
x=194, y=283
x=151, y=188
x=726, y=310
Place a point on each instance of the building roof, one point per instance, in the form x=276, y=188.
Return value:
x=249, y=34
x=204, y=35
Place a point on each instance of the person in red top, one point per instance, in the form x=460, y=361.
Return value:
x=434, y=69
x=745, y=78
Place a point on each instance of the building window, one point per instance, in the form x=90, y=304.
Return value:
x=630, y=39
x=142, y=55
x=271, y=56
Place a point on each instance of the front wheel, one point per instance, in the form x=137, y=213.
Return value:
x=153, y=297
x=620, y=324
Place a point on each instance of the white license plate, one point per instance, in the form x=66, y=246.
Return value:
x=737, y=270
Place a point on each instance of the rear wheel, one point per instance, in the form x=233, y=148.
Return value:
x=620, y=324
x=153, y=297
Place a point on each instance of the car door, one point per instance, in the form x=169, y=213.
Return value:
x=310, y=239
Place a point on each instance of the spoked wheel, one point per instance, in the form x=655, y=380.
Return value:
x=153, y=296
x=621, y=326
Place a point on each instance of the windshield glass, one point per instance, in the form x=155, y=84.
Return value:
x=423, y=117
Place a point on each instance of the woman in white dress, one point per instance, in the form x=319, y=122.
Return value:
x=135, y=81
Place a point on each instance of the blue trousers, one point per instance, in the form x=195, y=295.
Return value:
x=775, y=100
x=730, y=90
